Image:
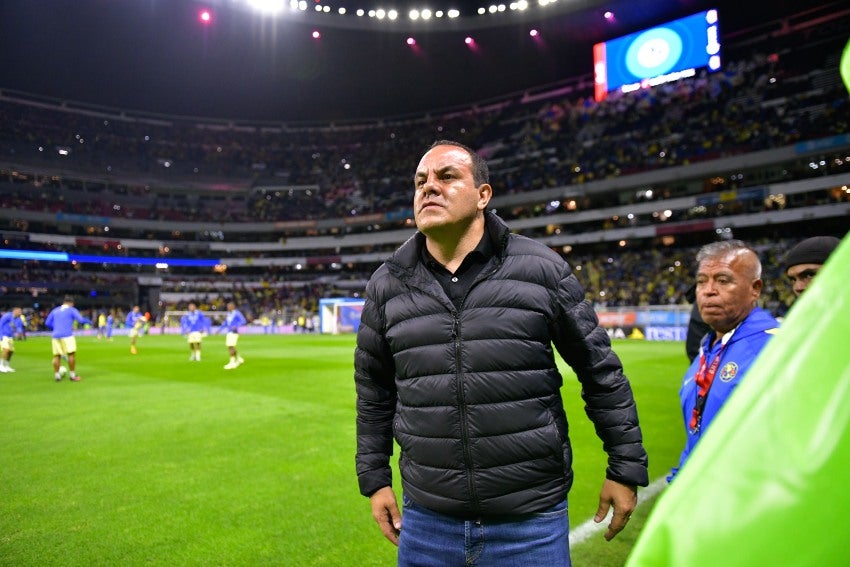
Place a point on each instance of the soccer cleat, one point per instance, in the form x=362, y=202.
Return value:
x=230, y=366
x=239, y=361
x=133, y=350
x=57, y=377
x=8, y=369
x=76, y=378
x=3, y=369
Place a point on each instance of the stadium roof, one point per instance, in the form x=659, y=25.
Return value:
x=157, y=56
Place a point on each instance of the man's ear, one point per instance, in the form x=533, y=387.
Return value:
x=485, y=193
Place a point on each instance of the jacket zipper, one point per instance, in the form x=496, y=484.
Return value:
x=461, y=403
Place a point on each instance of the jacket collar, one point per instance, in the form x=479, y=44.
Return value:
x=406, y=258
x=758, y=321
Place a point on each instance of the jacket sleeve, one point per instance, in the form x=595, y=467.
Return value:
x=374, y=378
x=606, y=391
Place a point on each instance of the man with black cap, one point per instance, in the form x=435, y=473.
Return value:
x=805, y=260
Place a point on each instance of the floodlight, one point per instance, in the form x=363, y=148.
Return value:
x=267, y=6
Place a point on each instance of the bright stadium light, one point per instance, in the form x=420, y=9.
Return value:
x=267, y=6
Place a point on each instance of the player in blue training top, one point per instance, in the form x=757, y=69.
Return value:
x=61, y=320
x=231, y=324
x=135, y=321
x=8, y=323
x=20, y=327
x=194, y=325
x=110, y=320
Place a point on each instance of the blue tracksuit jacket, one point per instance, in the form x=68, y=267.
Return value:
x=741, y=350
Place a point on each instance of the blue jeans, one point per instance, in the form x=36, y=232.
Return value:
x=429, y=539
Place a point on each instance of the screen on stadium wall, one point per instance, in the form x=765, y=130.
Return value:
x=661, y=54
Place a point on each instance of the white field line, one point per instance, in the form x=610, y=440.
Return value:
x=585, y=530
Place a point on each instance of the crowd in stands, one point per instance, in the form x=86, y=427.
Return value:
x=106, y=165
x=654, y=277
x=290, y=173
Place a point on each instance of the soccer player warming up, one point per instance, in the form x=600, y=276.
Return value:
x=7, y=338
x=231, y=324
x=194, y=325
x=135, y=321
x=61, y=320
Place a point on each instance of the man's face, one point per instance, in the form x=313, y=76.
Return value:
x=446, y=196
x=801, y=276
x=726, y=290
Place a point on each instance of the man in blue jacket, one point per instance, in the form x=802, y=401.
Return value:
x=61, y=320
x=728, y=288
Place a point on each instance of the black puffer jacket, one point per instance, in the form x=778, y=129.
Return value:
x=473, y=395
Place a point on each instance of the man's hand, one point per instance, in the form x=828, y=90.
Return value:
x=623, y=498
x=385, y=511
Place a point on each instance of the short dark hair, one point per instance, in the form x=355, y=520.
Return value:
x=480, y=170
x=68, y=299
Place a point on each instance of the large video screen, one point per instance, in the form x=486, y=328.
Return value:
x=661, y=54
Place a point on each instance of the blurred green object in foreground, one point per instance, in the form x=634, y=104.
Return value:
x=767, y=485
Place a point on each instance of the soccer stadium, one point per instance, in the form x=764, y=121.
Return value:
x=173, y=154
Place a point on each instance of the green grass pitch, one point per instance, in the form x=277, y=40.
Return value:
x=155, y=460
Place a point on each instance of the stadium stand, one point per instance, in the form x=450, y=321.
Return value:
x=627, y=188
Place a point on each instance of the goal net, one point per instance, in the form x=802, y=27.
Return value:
x=340, y=315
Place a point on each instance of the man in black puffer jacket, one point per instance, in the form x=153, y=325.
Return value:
x=455, y=359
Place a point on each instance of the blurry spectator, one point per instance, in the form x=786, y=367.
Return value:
x=806, y=259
